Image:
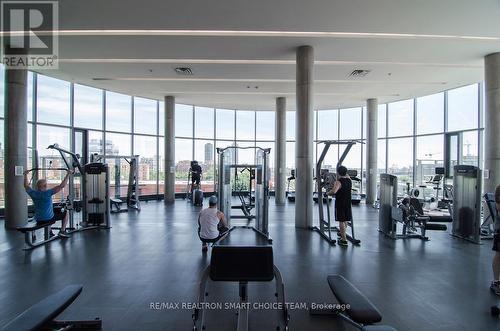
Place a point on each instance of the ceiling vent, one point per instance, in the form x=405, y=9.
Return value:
x=184, y=71
x=101, y=78
x=359, y=73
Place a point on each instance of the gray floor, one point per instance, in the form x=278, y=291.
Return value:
x=154, y=256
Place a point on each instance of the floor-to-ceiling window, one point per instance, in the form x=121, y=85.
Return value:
x=410, y=132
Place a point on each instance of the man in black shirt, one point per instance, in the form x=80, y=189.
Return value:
x=195, y=174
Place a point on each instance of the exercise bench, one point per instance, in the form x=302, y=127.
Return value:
x=242, y=264
x=41, y=316
x=360, y=312
x=29, y=233
x=116, y=205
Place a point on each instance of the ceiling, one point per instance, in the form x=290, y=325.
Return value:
x=242, y=53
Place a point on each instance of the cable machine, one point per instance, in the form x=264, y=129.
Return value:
x=93, y=197
x=227, y=164
x=132, y=199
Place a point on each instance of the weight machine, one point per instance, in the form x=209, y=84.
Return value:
x=324, y=183
x=228, y=164
x=132, y=199
x=94, y=192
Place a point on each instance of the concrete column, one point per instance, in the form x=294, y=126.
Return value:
x=371, y=150
x=15, y=149
x=169, y=193
x=492, y=122
x=280, y=154
x=304, y=138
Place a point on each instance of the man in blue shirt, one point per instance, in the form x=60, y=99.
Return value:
x=42, y=200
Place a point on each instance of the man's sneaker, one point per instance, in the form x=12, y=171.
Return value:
x=63, y=235
x=495, y=287
x=342, y=242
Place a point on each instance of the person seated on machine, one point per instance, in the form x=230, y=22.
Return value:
x=211, y=224
x=342, y=191
x=42, y=200
x=495, y=284
x=195, y=175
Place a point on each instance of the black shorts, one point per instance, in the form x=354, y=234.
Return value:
x=59, y=215
x=496, y=242
x=196, y=179
x=222, y=232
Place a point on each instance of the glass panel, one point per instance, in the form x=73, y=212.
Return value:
x=245, y=156
x=204, y=154
x=265, y=125
x=95, y=143
x=50, y=158
x=204, y=122
x=2, y=91
x=118, y=144
x=365, y=119
x=245, y=125
x=161, y=170
x=470, y=148
x=290, y=164
x=350, y=123
x=145, y=116
x=290, y=125
x=381, y=153
x=401, y=118
x=463, y=108
x=88, y=107
x=145, y=147
x=353, y=162
x=29, y=104
x=183, y=121
x=328, y=125
x=382, y=121
x=401, y=161
x=183, y=158
x=430, y=114
x=118, y=112
x=161, y=117
x=224, y=124
x=53, y=100
x=430, y=155
x=267, y=144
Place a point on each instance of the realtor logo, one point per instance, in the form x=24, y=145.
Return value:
x=29, y=40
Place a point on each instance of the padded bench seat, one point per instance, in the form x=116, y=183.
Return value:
x=45, y=311
x=361, y=309
x=33, y=226
x=378, y=328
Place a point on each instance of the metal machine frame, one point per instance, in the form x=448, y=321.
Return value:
x=224, y=188
x=325, y=227
x=466, y=215
x=132, y=199
x=73, y=162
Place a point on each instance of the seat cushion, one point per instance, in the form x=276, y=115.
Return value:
x=361, y=309
x=44, y=311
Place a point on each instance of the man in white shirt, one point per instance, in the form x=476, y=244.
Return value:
x=211, y=224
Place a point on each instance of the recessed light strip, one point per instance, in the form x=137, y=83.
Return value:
x=263, y=80
x=265, y=62
x=253, y=33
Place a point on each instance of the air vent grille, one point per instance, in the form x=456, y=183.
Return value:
x=184, y=71
x=359, y=73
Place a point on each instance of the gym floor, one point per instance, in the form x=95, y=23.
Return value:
x=155, y=256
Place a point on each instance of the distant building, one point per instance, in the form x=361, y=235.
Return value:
x=209, y=153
